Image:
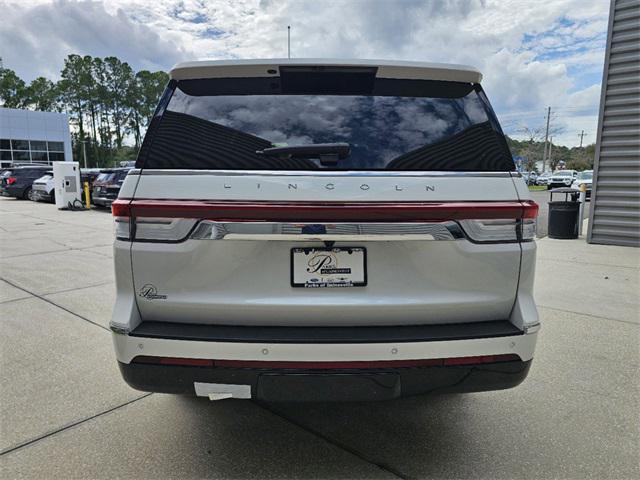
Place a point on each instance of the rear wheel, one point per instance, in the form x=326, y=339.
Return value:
x=28, y=194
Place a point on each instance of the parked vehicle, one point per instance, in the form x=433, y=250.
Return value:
x=529, y=177
x=562, y=178
x=543, y=179
x=584, y=178
x=299, y=230
x=5, y=172
x=17, y=182
x=107, y=185
x=43, y=188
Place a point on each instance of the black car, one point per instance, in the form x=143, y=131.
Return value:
x=17, y=182
x=107, y=186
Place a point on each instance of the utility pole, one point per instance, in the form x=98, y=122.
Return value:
x=288, y=41
x=581, y=135
x=546, y=140
x=550, y=149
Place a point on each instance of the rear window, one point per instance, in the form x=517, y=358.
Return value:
x=104, y=177
x=414, y=125
x=119, y=176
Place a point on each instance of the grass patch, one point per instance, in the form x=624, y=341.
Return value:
x=537, y=188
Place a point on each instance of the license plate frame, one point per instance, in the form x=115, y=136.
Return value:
x=361, y=280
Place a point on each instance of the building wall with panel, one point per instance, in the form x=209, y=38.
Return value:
x=615, y=209
x=28, y=137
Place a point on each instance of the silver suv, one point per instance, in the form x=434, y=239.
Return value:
x=324, y=230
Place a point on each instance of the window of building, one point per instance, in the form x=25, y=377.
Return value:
x=56, y=146
x=39, y=145
x=21, y=156
x=27, y=151
x=20, y=144
x=39, y=157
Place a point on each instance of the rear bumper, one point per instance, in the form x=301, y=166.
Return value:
x=102, y=201
x=559, y=184
x=329, y=385
x=13, y=191
x=41, y=195
x=368, y=370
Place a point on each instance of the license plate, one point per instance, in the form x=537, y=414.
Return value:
x=328, y=267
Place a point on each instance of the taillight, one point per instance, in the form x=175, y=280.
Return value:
x=173, y=220
x=163, y=229
x=528, y=228
x=496, y=230
x=121, y=211
x=159, y=229
x=528, y=223
x=499, y=230
x=11, y=180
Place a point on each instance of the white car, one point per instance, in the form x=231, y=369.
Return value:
x=562, y=178
x=543, y=179
x=584, y=178
x=43, y=189
x=301, y=230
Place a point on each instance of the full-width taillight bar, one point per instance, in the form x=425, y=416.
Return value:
x=325, y=211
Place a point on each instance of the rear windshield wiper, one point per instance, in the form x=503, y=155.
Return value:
x=328, y=153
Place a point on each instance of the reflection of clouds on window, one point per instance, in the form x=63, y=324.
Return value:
x=474, y=109
x=277, y=136
x=378, y=128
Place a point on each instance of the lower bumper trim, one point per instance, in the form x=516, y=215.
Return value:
x=329, y=385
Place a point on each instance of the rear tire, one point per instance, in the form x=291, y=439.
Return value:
x=27, y=195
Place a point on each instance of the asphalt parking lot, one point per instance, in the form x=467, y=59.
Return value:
x=66, y=413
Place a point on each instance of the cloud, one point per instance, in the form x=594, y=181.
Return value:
x=532, y=54
x=38, y=38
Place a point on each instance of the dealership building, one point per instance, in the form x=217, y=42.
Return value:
x=615, y=205
x=33, y=137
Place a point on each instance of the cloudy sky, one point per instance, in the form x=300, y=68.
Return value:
x=533, y=54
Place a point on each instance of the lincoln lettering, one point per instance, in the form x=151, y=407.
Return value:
x=332, y=186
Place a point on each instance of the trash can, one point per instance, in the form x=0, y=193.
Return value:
x=563, y=215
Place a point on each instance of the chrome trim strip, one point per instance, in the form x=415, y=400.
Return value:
x=315, y=173
x=324, y=232
x=532, y=328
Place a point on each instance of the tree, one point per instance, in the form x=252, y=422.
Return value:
x=12, y=89
x=119, y=82
x=42, y=94
x=76, y=76
x=142, y=99
x=534, y=149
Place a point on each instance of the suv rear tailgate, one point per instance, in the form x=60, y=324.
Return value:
x=243, y=281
